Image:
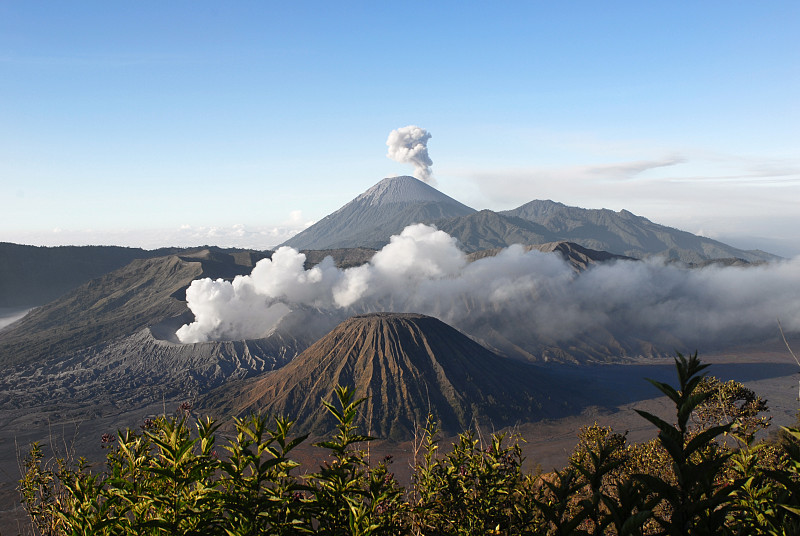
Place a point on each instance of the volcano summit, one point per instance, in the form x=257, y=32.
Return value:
x=380, y=212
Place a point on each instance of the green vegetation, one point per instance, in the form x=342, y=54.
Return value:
x=705, y=473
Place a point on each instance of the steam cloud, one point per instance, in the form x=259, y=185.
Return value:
x=525, y=298
x=410, y=145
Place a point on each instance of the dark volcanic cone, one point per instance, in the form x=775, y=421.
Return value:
x=406, y=365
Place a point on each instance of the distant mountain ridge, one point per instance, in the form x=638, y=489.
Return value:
x=32, y=275
x=151, y=288
x=579, y=257
x=385, y=209
x=382, y=211
x=625, y=233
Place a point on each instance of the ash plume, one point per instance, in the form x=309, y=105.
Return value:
x=527, y=297
x=410, y=145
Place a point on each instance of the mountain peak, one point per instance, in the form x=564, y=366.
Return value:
x=373, y=217
x=406, y=366
x=402, y=189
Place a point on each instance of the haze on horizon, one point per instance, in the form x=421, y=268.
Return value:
x=238, y=125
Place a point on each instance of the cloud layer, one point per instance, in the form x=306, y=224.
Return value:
x=528, y=298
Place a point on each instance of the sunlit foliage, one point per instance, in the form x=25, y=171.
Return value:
x=705, y=473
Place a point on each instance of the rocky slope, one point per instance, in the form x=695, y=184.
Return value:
x=407, y=366
x=117, y=304
x=138, y=370
x=142, y=294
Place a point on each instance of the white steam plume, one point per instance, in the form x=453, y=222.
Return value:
x=524, y=299
x=410, y=145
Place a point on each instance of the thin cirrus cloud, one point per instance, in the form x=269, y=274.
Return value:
x=626, y=170
x=619, y=179
x=741, y=199
x=512, y=185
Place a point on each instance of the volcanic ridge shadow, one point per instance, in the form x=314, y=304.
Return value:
x=612, y=385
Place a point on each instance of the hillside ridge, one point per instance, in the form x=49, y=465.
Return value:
x=624, y=233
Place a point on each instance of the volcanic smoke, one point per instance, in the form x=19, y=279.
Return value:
x=410, y=145
x=422, y=271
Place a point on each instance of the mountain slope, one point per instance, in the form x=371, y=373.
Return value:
x=32, y=275
x=625, y=233
x=406, y=365
x=117, y=304
x=371, y=218
x=489, y=230
x=144, y=293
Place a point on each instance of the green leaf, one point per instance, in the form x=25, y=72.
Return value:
x=660, y=423
x=666, y=389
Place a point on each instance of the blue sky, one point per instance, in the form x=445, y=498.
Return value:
x=178, y=123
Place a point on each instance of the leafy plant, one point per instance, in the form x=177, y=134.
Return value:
x=698, y=503
x=474, y=489
x=170, y=477
x=350, y=498
x=259, y=493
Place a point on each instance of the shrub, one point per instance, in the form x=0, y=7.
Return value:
x=475, y=489
x=169, y=478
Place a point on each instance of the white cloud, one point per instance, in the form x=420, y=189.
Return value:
x=525, y=295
